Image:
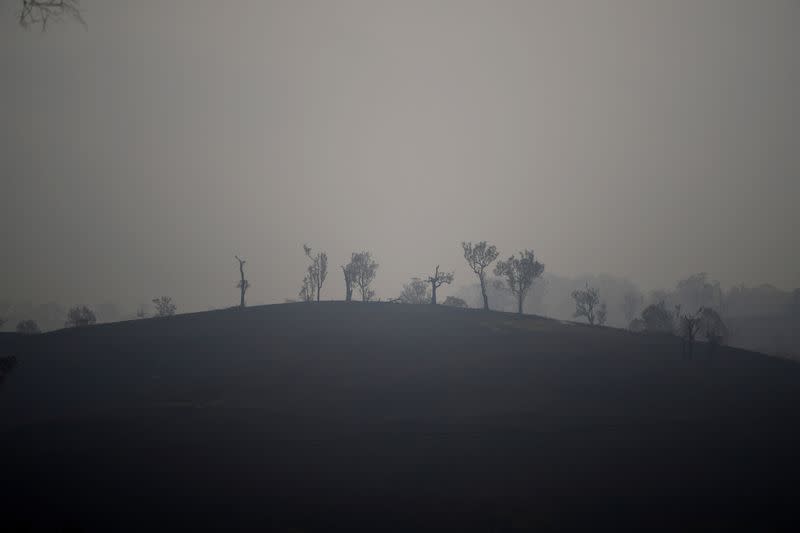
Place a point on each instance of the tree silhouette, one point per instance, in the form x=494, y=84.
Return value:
x=657, y=319
x=317, y=270
x=28, y=327
x=349, y=277
x=585, y=302
x=243, y=284
x=478, y=257
x=520, y=273
x=688, y=327
x=415, y=292
x=437, y=280
x=307, y=290
x=164, y=306
x=363, y=269
x=80, y=315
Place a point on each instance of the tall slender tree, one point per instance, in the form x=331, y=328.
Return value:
x=317, y=270
x=479, y=257
x=243, y=284
x=347, y=270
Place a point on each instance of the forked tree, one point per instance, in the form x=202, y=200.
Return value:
x=317, y=270
x=479, y=256
x=520, y=273
x=363, y=269
x=437, y=280
x=243, y=284
x=688, y=328
x=586, y=300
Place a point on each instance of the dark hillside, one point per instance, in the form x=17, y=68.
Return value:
x=386, y=416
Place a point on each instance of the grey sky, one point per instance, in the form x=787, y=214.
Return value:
x=648, y=139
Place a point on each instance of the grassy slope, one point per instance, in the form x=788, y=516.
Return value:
x=307, y=415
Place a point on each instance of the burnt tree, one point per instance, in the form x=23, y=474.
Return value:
x=437, y=280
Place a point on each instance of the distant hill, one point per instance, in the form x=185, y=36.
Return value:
x=385, y=416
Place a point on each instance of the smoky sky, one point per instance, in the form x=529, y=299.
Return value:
x=647, y=139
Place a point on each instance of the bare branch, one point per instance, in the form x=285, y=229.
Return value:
x=40, y=12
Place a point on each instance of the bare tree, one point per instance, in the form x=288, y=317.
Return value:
x=363, y=269
x=415, y=292
x=317, y=270
x=307, y=290
x=478, y=257
x=141, y=312
x=349, y=277
x=80, y=315
x=40, y=12
x=243, y=284
x=688, y=328
x=164, y=306
x=585, y=302
x=437, y=280
x=520, y=273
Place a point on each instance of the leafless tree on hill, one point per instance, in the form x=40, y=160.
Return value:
x=243, y=284
x=479, y=256
x=349, y=279
x=415, y=292
x=164, y=306
x=437, y=280
x=80, y=315
x=519, y=273
x=585, y=302
x=363, y=269
x=317, y=270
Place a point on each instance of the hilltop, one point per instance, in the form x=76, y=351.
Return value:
x=386, y=416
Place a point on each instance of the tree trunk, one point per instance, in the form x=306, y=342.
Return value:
x=243, y=288
x=519, y=303
x=483, y=293
x=433, y=294
x=348, y=286
x=319, y=289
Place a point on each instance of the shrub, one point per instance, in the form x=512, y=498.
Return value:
x=453, y=301
x=164, y=306
x=80, y=315
x=657, y=319
x=28, y=327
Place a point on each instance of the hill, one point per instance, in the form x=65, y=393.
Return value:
x=380, y=416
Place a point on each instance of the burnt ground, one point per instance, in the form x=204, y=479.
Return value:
x=307, y=417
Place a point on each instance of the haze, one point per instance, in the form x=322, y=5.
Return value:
x=649, y=140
